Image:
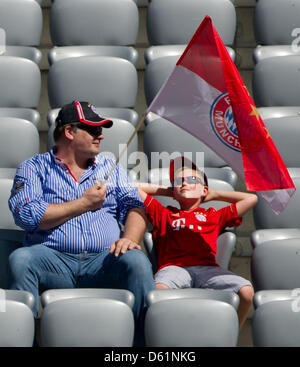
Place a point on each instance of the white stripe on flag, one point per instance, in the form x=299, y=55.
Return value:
x=186, y=100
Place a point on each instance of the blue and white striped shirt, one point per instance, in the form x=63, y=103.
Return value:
x=44, y=179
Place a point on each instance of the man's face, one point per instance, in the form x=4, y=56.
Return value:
x=87, y=140
x=188, y=184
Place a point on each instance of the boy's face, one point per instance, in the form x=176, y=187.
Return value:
x=188, y=185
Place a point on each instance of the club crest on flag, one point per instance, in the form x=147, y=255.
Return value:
x=222, y=122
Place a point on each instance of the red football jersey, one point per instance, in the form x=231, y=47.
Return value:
x=188, y=238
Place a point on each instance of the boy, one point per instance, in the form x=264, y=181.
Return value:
x=186, y=238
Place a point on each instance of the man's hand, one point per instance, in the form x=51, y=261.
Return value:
x=122, y=245
x=94, y=197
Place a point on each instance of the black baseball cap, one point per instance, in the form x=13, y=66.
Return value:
x=83, y=112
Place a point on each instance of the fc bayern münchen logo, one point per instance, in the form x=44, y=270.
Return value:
x=222, y=122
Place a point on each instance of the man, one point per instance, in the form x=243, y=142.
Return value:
x=73, y=237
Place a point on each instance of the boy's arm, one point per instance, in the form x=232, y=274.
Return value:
x=145, y=188
x=244, y=201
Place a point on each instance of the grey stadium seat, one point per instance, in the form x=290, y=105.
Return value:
x=53, y=295
x=87, y=322
x=92, y=27
x=191, y=322
x=278, y=111
x=173, y=22
x=22, y=113
x=265, y=218
x=11, y=236
x=20, y=39
x=126, y=52
x=284, y=132
x=276, y=324
x=103, y=81
x=276, y=38
x=20, y=296
x=263, y=235
x=275, y=264
x=154, y=52
x=16, y=325
x=266, y=296
x=159, y=295
x=19, y=140
x=269, y=74
x=162, y=136
x=20, y=82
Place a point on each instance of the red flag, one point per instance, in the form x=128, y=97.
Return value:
x=206, y=96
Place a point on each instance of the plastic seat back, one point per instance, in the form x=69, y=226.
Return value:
x=94, y=22
x=191, y=322
x=276, y=324
x=87, y=322
x=272, y=72
x=16, y=325
x=275, y=264
x=19, y=140
x=159, y=295
x=11, y=235
x=53, y=295
x=103, y=81
x=265, y=218
x=22, y=21
x=175, y=21
x=20, y=82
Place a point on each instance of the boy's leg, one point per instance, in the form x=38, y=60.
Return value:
x=215, y=277
x=174, y=277
x=246, y=294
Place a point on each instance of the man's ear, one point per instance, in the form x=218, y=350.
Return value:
x=205, y=192
x=69, y=132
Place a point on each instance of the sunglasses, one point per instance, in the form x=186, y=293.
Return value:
x=92, y=130
x=189, y=179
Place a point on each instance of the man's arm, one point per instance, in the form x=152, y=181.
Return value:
x=135, y=226
x=57, y=214
x=244, y=201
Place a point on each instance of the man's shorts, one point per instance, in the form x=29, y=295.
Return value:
x=213, y=277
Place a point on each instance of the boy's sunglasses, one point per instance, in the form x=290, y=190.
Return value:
x=189, y=179
x=92, y=130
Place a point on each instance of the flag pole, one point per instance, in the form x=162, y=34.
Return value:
x=142, y=119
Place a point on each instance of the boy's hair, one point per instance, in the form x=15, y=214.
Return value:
x=181, y=162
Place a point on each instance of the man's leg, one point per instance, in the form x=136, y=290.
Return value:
x=131, y=271
x=37, y=268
